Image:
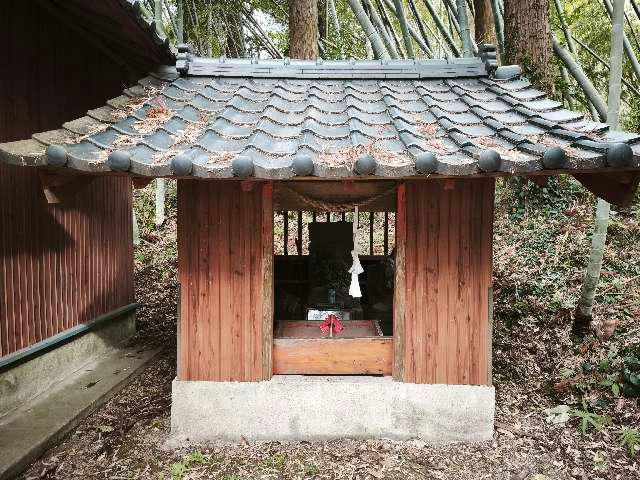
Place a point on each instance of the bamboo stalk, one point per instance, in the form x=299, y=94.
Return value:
x=390, y=29
x=465, y=31
x=634, y=34
x=275, y=53
x=576, y=71
x=498, y=19
x=567, y=92
x=442, y=28
x=404, y=28
x=636, y=8
x=569, y=39
x=260, y=39
x=420, y=23
x=598, y=240
x=180, y=21
x=377, y=22
x=628, y=49
x=416, y=36
x=370, y=32
x=171, y=19
x=453, y=15
x=333, y=14
x=604, y=63
x=615, y=72
x=565, y=27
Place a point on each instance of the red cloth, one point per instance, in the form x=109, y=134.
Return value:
x=332, y=321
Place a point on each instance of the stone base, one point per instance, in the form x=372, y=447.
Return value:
x=25, y=381
x=293, y=408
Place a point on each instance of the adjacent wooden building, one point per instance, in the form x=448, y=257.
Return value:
x=65, y=243
x=271, y=346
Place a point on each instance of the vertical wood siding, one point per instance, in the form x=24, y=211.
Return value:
x=447, y=240
x=225, y=245
x=62, y=265
x=50, y=74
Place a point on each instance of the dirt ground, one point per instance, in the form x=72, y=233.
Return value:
x=539, y=255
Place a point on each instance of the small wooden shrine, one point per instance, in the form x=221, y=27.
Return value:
x=273, y=332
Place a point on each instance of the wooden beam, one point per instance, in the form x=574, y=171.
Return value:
x=399, y=286
x=539, y=181
x=141, y=182
x=300, y=227
x=267, y=282
x=286, y=232
x=616, y=188
x=371, y=221
x=56, y=187
x=333, y=356
x=386, y=233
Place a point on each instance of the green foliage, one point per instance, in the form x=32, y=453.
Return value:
x=589, y=419
x=526, y=197
x=618, y=374
x=630, y=439
x=311, y=470
x=589, y=23
x=631, y=372
x=178, y=470
x=277, y=461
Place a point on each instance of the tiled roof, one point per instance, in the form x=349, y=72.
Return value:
x=277, y=119
x=135, y=8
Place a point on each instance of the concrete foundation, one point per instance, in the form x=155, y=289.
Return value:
x=318, y=408
x=25, y=381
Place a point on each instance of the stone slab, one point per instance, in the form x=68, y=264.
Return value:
x=29, y=379
x=294, y=408
x=38, y=425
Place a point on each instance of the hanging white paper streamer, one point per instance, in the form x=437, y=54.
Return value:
x=356, y=269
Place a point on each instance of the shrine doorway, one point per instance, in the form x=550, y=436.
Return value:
x=327, y=321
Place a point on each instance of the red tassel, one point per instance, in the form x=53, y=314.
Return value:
x=331, y=322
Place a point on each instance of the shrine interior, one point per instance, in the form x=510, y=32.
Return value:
x=313, y=256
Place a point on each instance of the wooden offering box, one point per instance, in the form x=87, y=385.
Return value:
x=300, y=347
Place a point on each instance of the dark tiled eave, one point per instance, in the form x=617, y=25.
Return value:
x=278, y=119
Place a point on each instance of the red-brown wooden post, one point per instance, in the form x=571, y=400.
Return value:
x=225, y=262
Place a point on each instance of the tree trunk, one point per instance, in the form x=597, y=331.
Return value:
x=528, y=40
x=303, y=29
x=485, y=30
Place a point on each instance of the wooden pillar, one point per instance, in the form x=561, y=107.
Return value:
x=444, y=232
x=225, y=263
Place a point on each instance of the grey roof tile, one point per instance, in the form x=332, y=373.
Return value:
x=561, y=116
x=273, y=118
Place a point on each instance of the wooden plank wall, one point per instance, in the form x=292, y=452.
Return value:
x=225, y=262
x=62, y=265
x=50, y=74
x=445, y=230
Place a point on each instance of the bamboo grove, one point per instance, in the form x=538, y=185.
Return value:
x=390, y=29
